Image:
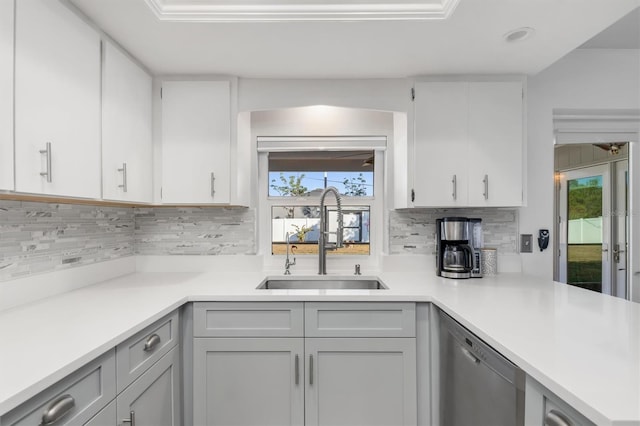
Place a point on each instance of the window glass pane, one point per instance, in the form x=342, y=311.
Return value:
x=584, y=233
x=307, y=173
x=302, y=225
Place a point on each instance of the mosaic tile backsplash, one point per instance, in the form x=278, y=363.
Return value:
x=412, y=231
x=195, y=231
x=42, y=237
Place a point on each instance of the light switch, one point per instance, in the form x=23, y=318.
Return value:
x=526, y=241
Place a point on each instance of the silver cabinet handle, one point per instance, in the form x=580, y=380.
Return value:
x=213, y=184
x=454, y=183
x=57, y=409
x=47, y=152
x=151, y=343
x=131, y=419
x=297, y=373
x=310, y=370
x=124, y=177
x=555, y=418
x=486, y=187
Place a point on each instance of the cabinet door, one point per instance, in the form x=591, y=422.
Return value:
x=248, y=381
x=196, y=129
x=57, y=89
x=495, y=143
x=440, y=144
x=126, y=128
x=106, y=417
x=364, y=381
x=154, y=399
x=6, y=95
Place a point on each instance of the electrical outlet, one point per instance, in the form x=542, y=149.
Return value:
x=526, y=243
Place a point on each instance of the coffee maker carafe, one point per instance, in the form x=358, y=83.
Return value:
x=454, y=255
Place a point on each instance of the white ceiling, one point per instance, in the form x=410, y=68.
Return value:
x=470, y=41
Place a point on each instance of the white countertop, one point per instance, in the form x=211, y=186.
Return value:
x=581, y=345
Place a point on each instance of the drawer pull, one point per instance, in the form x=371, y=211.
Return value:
x=151, y=343
x=58, y=409
x=555, y=418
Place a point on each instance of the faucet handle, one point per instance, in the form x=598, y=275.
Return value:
x=357, y=272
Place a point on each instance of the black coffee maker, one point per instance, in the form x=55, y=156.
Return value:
x=454, y=256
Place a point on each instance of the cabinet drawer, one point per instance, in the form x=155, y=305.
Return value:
x=556, y=409
x=136, y=354
x=86, y=392
x=377, y=319
x=240, y=319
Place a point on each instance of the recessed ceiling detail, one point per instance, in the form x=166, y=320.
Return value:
x=300, y=10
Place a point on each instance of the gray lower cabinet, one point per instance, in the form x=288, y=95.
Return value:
x=248, y=381
x=106, y=417
x=154, y=398
x=360, y=381
x=136, y=384
x=544, y=408
x=74, y=400
x=360, y=370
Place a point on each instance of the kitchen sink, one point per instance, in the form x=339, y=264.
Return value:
x=322, y=283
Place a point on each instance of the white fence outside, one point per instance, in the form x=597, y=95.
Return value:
x=585, y=231
x=280, y=227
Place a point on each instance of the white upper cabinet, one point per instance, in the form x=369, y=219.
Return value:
x=196, y=138
x=495, y=143
x=127, y=151
x=6, y=95
x=441, y=135
x=57, y=104
x=468, y=144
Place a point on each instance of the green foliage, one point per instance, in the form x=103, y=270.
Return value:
x=289, y=187
x=355, y=186
x=301, y=232
x=585, y=201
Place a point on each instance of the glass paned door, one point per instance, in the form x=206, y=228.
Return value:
x=585, y=225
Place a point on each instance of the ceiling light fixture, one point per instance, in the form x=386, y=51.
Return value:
x=300, y=10
x=518, y=34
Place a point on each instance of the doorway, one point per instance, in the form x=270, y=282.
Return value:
x=592, y=225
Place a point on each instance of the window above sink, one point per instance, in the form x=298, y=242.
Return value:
x=293, y=173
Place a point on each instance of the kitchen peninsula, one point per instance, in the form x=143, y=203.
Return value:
x=581, y=346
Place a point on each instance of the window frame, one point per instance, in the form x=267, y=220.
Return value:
x=375, y=204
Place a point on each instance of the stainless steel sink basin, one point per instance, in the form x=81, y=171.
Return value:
x=317, y=283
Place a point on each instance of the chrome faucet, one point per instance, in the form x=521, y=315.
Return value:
x=287, y=262
x=323, y=246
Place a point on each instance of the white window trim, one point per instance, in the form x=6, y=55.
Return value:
x=308, y=264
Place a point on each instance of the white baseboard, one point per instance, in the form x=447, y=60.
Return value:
x=37, y=287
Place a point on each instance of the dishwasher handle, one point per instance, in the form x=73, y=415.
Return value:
x=467, y=353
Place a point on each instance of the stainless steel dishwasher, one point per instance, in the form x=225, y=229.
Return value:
x=478, y=386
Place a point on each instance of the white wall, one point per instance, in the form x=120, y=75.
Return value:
x=584, y=79
x=390, y=95
x=375, y=94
